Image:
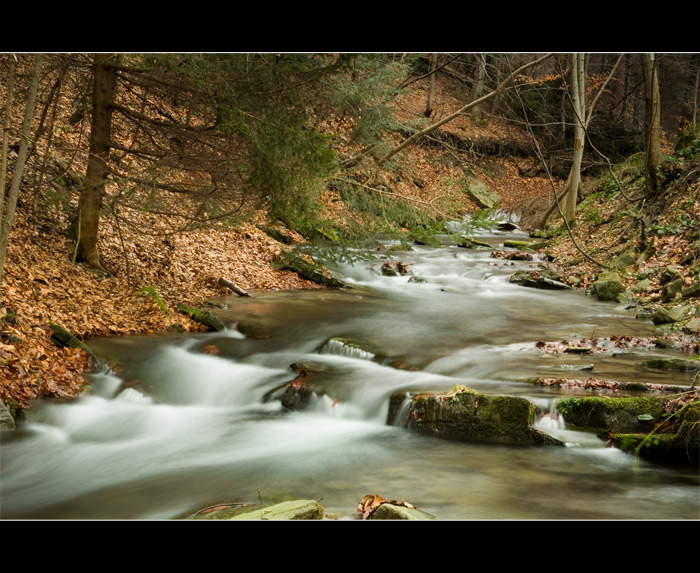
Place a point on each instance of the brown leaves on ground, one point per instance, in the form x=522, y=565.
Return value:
x=41, y=284
x=369, y=503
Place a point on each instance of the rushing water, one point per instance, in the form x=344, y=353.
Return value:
x=196, y=420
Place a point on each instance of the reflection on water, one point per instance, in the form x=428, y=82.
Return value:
x=178, y=429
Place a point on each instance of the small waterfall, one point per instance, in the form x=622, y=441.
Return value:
x=551, y=422
x=339, y=348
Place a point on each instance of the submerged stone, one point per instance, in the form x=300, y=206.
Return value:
x=677, y=364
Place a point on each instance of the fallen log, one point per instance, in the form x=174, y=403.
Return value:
x=234, y=287
x=202, y=317
x=65, y=339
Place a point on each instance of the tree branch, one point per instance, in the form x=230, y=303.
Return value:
x=501, y=88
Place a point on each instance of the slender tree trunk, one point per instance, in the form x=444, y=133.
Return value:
x=578, y=95
x=97, y=169
x=478, y=88
x=652, y=117
x=429, y=104
x=696, y=92
x=7, y=211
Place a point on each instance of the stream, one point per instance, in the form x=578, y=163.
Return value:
x=191, y=421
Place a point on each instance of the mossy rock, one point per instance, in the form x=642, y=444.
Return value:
x=306, y=509
x=619, y=415
x=464, y=414
x=608, y=286
x=682, y=447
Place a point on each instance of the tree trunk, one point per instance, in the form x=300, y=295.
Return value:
x=429, y=104
x=652, y=116
x=578, y=95
x=7, y=210
x=478, y=88
x=97, y=169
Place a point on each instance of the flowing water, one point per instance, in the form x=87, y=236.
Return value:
x=196, y=420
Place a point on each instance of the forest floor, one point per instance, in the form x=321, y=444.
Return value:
x=43, y=285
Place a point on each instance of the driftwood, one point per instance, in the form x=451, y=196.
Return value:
x=202, y=317
x=234, y=287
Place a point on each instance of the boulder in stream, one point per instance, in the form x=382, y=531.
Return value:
x=544, y=279
x=663, y=428
x=465, y=414
x=300, y=509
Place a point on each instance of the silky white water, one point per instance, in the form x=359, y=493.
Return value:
x=178, y=429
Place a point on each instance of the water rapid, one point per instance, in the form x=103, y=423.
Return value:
x=180, y=426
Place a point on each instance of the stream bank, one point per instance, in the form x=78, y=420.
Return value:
x=206, y=409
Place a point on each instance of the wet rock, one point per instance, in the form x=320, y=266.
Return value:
x=304, y=509
x=389, y=511
x=679, y=442
x=297, y=395
x=610, y=414
x=472, y=243
x=676, y=364
x=415, y=279
x=464, y=414
x=545, y=279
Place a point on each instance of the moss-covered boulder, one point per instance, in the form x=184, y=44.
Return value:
x=465, y=414
x=303, y=509
x=681, y=446
x=601, y=414
x=608, y=286
x=647, y=426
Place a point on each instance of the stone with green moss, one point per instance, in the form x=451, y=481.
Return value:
x=465, y=414
x=608, y=286
x=305, y=509
x=601, y=414
x=680, y=446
